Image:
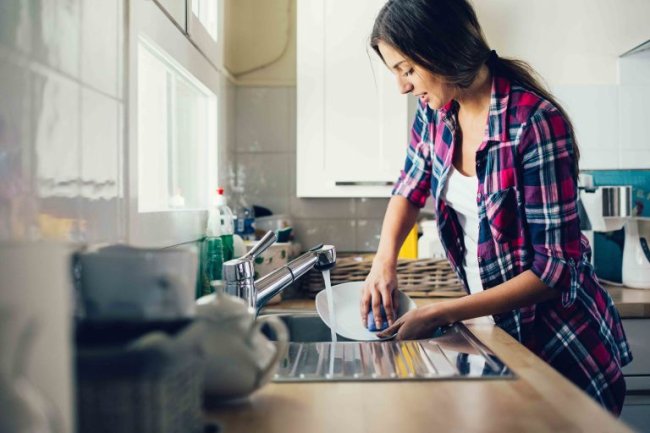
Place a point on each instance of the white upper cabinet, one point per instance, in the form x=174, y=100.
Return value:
x=351, y=118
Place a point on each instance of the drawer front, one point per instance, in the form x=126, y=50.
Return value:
x=638, y=336
x=636, y=412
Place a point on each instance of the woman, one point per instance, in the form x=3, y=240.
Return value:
x=498, y=154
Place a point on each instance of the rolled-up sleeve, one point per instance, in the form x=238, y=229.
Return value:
x=414, y=182
x=550, y=202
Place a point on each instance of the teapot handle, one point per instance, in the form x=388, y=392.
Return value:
x=282, y=333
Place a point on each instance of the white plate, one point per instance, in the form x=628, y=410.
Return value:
x=347, y=297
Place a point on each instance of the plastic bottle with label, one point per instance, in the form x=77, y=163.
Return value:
x=244, y=217
x=221, y=224
x=217, y=245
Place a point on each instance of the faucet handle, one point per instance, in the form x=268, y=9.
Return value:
x=242, y=269
x=267, y=240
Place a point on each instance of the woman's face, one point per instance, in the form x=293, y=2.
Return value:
x=412, y=78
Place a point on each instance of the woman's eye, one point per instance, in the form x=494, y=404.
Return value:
x=408, y=73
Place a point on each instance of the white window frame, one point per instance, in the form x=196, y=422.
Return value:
x=172, y=226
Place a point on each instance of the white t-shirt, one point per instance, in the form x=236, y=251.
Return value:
x=460, y=193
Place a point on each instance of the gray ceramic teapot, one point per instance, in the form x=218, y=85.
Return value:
x=239, y=358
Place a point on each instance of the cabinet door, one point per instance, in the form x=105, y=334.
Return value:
x=351, y=118
x=637, y=373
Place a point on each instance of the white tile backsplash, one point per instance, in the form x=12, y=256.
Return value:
x=64, y=138
x=635, y=119
x=635, y=69
x=100, y=37
x=322, y=207
x=56, y=121
x=99, y=145
x=632, y=158
x=599, y=159
x=100, y=175
x=371, y=207
x=17, y=205
x=262, y=119
x=56, y=40
x=16, y=25
x=338, y=232
x=265, y=178
x=594, y=112
x=368, y=233
x=293, y=118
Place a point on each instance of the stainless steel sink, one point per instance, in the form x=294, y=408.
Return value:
x=306, y=327
x=452, y=353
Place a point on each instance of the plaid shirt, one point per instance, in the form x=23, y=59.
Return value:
x=528, y=219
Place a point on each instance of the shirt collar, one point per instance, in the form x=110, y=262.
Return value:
x=498, y=114
x=497, y=129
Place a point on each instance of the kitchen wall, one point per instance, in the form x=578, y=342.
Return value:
x=61, y=120
x=64, y=168
x=575, y=46
x=265, y=153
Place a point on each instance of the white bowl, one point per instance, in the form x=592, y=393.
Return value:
x=347, y=298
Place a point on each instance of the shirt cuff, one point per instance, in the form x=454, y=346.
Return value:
x=413, y=193
x=564, y=275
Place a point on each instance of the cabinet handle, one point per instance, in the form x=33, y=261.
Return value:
x=364, y=183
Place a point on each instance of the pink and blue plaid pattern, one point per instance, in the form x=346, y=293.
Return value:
x=527, y=200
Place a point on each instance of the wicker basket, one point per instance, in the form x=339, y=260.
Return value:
x=417, y=277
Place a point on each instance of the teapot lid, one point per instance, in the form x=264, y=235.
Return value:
x=221, y=306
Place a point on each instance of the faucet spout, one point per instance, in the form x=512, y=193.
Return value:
x=322, y=258
x=238, y=273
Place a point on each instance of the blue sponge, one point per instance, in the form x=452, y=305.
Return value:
x=371, y=321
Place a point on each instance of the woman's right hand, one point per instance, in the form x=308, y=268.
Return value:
x=380, y=288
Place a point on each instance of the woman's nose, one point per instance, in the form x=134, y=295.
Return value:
x=404, y=86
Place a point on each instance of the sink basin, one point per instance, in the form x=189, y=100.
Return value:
x=306, y=327
x=452, y=353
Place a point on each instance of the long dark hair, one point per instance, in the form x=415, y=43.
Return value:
x=445, y=37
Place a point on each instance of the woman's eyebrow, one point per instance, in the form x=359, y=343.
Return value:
x=398, y=63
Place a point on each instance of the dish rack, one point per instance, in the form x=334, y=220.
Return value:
x=419, y=278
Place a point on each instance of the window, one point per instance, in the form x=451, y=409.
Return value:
x=203, y=27
x=175, y=134
x=177, y=127
x=207, y=12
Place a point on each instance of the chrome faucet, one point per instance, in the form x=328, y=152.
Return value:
x=239, y=274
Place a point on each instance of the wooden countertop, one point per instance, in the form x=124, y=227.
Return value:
x=539, y=400
x=631, y=303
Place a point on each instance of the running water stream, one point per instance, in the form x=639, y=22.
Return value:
x=330, y=306
x=330, y=303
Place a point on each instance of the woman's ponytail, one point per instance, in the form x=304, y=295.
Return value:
x=520, y=72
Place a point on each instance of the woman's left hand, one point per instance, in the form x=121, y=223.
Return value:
x=419, y=323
